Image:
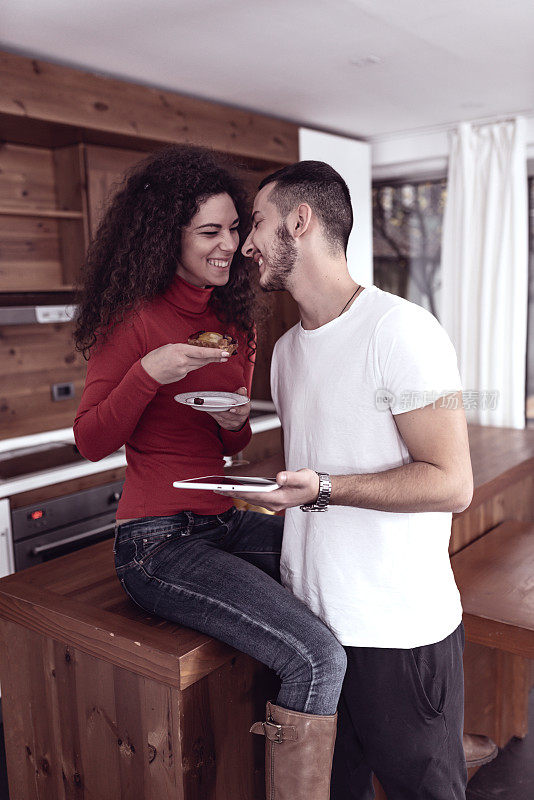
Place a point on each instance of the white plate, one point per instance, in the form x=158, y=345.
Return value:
x=213, y=401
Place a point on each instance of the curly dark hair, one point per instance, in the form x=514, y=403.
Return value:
x=134, y=254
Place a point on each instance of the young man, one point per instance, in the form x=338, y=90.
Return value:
x=369, y=396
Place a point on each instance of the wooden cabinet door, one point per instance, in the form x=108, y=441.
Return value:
x=105, y=170
x=283, y=315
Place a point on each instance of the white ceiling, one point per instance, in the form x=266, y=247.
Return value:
x=419, y=63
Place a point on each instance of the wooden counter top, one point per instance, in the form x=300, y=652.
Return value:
x=500, y=456
x=83, y=585
x=77, y=600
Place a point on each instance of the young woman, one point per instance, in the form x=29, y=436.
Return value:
x=165, y=264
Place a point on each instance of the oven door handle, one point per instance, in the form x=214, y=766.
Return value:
x=54, y=545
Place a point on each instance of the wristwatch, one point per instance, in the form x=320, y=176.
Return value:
x=323, y=498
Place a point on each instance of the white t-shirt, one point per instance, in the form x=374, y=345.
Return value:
x=376, y=578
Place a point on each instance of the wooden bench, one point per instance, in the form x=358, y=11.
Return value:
x=495, y=576
x=103, y=700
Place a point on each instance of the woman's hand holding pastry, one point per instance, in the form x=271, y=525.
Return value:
x=235, y=418
x=172, y=362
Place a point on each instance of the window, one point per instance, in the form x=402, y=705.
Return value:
x=407, y=224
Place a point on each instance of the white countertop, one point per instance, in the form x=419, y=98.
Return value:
x=49, y=477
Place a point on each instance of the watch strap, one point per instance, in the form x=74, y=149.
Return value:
x=323, y=498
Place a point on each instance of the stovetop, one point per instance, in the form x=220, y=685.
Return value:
x=37, y=458
x=27, y=460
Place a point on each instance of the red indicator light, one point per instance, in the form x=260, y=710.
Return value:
x=37, y=514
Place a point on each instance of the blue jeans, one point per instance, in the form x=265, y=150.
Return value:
x=221, y=575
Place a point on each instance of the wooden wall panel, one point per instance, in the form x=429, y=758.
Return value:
x=221, y=758
x=263, y=445
x=71, y=195
x=69, y=173
x=496, y=693
x=30, y=258
x=105, y=169
x=283, y=314
x=27, y=177
x=251, y=172
x=512, y=502
x=79, y=727
x=24, y=241
x=32, y=357
x=28, y=347
x=34, y=90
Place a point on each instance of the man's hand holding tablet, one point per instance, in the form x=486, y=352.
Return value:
x=296, y=489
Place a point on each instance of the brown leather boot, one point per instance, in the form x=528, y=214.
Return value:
x=298, y=753
x=479, y=750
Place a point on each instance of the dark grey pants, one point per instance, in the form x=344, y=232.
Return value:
x=401, y=717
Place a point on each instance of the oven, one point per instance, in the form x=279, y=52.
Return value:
x=53, y=528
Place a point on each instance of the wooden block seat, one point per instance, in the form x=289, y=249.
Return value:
x=495, y=576
x=101, y=699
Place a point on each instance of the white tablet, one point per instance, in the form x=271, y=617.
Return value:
x=228, y=483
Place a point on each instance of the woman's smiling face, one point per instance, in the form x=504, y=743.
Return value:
x=209, y=243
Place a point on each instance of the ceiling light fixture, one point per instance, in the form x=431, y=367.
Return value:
x=365, y=61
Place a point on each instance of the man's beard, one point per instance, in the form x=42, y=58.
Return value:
x=281, y=262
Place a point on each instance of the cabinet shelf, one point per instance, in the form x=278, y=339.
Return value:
x=50, y=213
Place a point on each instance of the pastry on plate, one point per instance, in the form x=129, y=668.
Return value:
x=212, y=339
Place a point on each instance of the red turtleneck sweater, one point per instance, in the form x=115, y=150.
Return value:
x=165, y=440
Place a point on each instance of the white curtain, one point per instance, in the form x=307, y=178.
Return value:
x=484, y=297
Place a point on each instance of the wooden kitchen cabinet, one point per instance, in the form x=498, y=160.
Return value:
x=497, y=682
x=32, y=358
x=43, y=219
x=101, y=699
x=67, y=139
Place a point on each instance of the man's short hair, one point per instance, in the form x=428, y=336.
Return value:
x=323, y=189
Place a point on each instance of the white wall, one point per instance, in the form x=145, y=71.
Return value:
x=422, y=153
x=352, y=159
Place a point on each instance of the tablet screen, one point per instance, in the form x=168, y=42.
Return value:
x=231, y=480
